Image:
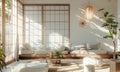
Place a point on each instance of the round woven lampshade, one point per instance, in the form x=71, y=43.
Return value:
x=89, y=12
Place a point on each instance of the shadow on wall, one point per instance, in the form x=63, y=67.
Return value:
x=95, y=31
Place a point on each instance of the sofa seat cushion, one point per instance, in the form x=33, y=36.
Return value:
x=26, y=52
x=35, y=66
x=42, y=67
x=92, y=60
x=79, y=52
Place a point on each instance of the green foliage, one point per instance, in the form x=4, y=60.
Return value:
x=110, y=23
x=58, y=55
x=2, y=55
x=8, y=4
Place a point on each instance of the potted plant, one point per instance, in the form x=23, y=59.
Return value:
x=58, y=55
x=112, y=25
x=2, y=55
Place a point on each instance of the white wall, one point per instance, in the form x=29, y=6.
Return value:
x=92, y=33
x=118, y=15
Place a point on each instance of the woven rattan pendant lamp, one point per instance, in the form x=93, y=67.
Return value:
x=89, y=11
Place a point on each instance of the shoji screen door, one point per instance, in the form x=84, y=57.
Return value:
x=56, y=25
x=48, y=24
x=33, y=24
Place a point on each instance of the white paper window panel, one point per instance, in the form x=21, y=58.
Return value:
x=47, y=28
x=32, y=8
x=66, y=34
x=62, y=18
x=37, y=32
x=61, y=26
x=47, y=7
x=46, y=23
x=62, y=7
x=10, y=39
x=19, y=12
x=20, y=44
x=6, y=42
x=66, y=25
x=37, y=26
x=61, y=12
x=35, y=8
x=52, y=18
x=31, y=39
x=66, y=12
x=47, y=18
x=31, y=32
x=14, y=31
x=31, y=17
x=57, y=17
x=7, y=31
x=55, y=12
x=14, y=41
x=47, y=32
x=27, y=13
x=27, y=19
x=47, y=12
x=26, y=39
x=56, y=7
x=27, y=25
x=37, y=12
x=19, y=5
x=20, y=18
x=20, y=24
x=31, y=21
x=27, y=32
x=56, y=27
x=36, y=38
x=37, y=17
x=28, y=7
x=14, y=19
x=50, y=13
x=66, y=17
x=31, y=27
x=66, y=7
x=20, y=33
x=14, y=12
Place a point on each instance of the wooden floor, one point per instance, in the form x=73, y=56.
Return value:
x=67, y=56
x=68, y=65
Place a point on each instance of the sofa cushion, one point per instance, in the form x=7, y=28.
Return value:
x=96, y=46
x=26, y=51
x=26, y=46
x=79, y=47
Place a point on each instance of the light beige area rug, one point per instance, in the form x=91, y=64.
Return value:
x=67, y=65
x=76, y=65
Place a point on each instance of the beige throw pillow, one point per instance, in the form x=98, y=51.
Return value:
x=27, y=46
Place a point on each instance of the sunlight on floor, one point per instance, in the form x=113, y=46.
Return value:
x=67, y=65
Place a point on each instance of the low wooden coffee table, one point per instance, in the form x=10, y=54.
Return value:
x=54, y=61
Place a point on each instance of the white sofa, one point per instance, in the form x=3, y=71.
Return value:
x=34, y=66
x=26, y=49
x=97, y=48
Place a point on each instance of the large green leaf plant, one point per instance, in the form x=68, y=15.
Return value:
x=2, y=55
x=112, y=25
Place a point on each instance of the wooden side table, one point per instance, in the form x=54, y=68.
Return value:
x=115, y=66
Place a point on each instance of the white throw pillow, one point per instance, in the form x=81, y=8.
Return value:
x=27, y=46
x=79, y=47
x=87, y=46
x=62, y=48
x=95, y=46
